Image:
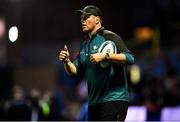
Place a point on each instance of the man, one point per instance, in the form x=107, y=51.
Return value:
x=107, y=87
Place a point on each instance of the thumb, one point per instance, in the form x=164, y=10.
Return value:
x=65, y=48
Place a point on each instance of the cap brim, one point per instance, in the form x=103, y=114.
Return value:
x=80, y=12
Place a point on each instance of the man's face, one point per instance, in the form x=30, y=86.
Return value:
x=88, y=22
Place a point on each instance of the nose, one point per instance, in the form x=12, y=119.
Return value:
x=83, y=22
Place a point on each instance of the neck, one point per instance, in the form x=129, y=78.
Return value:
x=94, y=30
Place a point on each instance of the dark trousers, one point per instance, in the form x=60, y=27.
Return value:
x=109, y=111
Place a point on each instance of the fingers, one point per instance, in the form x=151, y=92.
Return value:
x=92, y=59
x=64, y=54
x=96, y=58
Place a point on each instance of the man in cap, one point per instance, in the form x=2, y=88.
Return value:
x=107, y=86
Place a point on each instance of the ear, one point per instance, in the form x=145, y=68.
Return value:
x=97, y=20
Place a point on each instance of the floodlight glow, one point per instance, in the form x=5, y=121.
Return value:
x=135, y=74
x=13, y=33
x=2, y=27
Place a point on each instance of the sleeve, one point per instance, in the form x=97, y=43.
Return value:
x=129, y=58
x=121, y=47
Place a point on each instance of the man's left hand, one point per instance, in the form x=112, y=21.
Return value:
x=97, y=57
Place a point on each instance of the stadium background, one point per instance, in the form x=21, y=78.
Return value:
x=32, y=78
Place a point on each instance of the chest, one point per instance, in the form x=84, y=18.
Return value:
x=90, y=47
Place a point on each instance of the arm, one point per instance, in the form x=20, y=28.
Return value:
x=68, y=65
x=123, y=58
x=70, y=68
x=123, y=55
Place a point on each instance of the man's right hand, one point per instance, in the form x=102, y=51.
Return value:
x=68, y=65
x=64, y=55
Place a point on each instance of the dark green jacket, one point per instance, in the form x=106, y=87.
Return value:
x=104, y=84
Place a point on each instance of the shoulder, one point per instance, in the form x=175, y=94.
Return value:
x=109, y=35
x=108, y=32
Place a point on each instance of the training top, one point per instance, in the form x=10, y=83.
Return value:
x=104, y=84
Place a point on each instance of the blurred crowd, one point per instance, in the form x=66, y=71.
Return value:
x=159, y=84
x=159, y=81
x=39, y=105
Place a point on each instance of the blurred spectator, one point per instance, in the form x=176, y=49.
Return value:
x=18, y=109
x=83, y=114
x=82, y=91
x=57, y=104
x=40, y=108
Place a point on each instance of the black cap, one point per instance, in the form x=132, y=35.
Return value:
x=91, y=10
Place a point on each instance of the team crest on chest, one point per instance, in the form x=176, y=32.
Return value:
x=95, y=47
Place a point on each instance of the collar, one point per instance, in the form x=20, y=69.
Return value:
x=100, y=30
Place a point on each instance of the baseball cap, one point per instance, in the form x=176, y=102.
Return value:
x=90, y=10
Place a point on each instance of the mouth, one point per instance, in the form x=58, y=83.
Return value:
x=83, y=26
